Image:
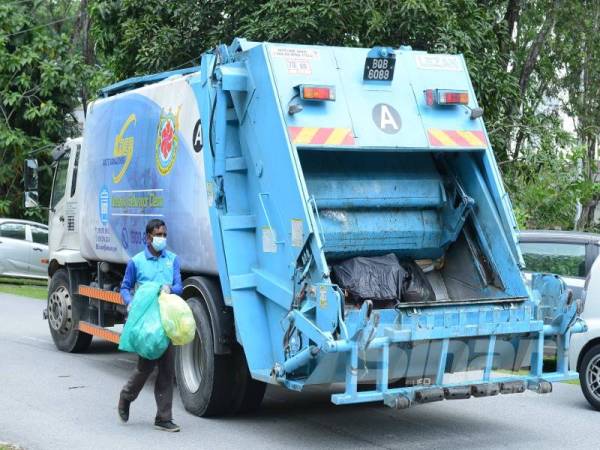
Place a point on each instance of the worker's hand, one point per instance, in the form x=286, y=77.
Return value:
x=166, y=289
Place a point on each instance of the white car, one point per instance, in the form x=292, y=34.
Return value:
x=23, y=249
x=585, y=347
x=569, y=254
x=573, y=256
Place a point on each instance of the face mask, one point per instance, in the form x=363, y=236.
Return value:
x=159, y=243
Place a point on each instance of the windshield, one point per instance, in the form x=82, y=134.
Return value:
x=60, y=181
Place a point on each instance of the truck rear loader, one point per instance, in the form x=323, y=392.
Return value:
x=340, y=220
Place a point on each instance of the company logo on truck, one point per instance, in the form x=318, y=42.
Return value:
x=123, y=149
x=167, y=141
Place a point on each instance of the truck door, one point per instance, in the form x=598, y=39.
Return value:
x=56, y=217
x=63, y=206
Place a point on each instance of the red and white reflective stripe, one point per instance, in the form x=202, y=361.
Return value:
x=321, y=136
x=99, y=294
x=103, y=333
x=456, y=138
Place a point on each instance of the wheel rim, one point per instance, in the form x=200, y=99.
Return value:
x=60, y=311
x=592, y=374
x=192, y=364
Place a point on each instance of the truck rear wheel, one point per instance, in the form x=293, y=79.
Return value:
x=213, y=384
x=64, y=315
x=205, y=380
x=589, y=376
x=249, y=392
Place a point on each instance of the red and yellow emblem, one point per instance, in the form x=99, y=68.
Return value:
x=456, y=138
x=321, y=136
x=167, y=141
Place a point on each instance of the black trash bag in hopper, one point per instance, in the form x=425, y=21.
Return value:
x=376, y=278
x=417, y=287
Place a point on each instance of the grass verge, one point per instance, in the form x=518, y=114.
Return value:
x=37, y=289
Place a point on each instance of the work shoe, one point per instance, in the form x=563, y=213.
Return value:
x=124, y=409
x=166, y=425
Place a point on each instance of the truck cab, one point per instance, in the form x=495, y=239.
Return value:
x=63, y=238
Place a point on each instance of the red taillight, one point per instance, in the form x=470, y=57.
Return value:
x=454, y=98
x=446, y=97
x=312, y=92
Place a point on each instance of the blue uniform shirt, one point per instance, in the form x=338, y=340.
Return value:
x=144, y=267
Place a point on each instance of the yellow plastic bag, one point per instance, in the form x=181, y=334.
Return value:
x=177, y=319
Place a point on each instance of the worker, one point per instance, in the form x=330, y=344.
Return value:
x=154, y=263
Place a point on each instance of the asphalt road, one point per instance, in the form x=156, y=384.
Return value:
x=55, y=400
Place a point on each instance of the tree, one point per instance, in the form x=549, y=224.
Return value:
x=135, y=37
x=144, y=36
x=578, y=30
x=531, y=62
x=39, y=80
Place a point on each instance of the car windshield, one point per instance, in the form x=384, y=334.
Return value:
x=559, y=258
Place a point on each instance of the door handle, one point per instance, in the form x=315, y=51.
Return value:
x=61, y=218
x=37, y=249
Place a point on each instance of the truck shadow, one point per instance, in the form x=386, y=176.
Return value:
x=464, y=423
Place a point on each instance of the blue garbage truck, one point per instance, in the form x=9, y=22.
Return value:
x=340, y=220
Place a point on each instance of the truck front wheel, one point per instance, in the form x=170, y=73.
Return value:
x=64, y=314
x=589, y=376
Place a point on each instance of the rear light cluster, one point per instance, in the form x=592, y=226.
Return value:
x=446, y=97
x=314, y=92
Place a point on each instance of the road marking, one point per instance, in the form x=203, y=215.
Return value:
x=36, y=339
x=126, y=360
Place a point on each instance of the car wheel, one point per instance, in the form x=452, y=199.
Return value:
x=589, y=376
x=63, y=316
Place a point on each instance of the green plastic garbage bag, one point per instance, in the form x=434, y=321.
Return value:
x=143, y=332
x=177, y=319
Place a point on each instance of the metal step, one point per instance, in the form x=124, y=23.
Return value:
x=238, y=222
x=237, y=164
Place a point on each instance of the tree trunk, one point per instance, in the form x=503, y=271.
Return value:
x=526, y=71
x=536, y=47
x=88, y=55
x=513, y=9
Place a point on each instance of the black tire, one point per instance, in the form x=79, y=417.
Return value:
x=64, y=313
x=589, y=376
x=249, y=393
x=205, y=380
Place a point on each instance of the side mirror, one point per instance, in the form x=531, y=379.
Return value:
x=31, y=199
x=30, y=174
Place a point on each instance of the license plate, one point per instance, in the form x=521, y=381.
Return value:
x=379, y=69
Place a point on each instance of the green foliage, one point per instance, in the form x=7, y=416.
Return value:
x=144, y=36
x=39, y=79
x=572, y=266
x=530, y=62
x=546, y=186
x=136, y=37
